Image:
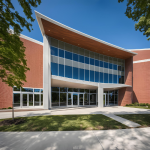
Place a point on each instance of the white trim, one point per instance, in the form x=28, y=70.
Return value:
x=144, y=49
x=30, y=39
x=39, y=15
x=139, y=61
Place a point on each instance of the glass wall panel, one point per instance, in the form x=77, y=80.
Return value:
x=75, y=73
x=68, y=71
x=69, y=99
x=86, y=99
x=41, y=99
x=54, y=42
x=16, y=89
x=75, y=99
x=75, y=57
x=86, y=75
x=63, y=89
x=70, y=90
x=54, y=51
x=119, y=68
x=122, y=79
x=115, y=67
x=110, y=66
x=105, y=65
x=116, y=99
x=75, y=90
x=61, y=70
x=26, y=90
x=110, y=78
x=41, y=90
x=16, y=100
x=96, y=76
x=92, y=99
x=61, y=44
x=54, y=68
x=81, y=76
x=81, y=59
x=101, y=64
x=61, y=53
x=86, y=60
x=80, y=99
x=91, y=75
x=97, y=63
x=68, y=55
x=55, y=99
x=91, y=61
x=101, y=77
x=36, y=99
x=87, y=90
x=92, y=91
x=114, y=78
x=63, y=100
x=36, y=90
x=81, y=90
x=119, y=79
x=30, y=99
x=55, y=89
x=105, y=77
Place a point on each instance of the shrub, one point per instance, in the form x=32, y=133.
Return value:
x=136, y=104
x=149, y=106
x=131, y=104
x=3, y=108
x=9, y=108
x=142, y=104
x=127, y=104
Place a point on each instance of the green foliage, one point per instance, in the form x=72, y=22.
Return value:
x=149, y=106
x=139, y=11
x=127, y=104
x=142, y=104
x=131, y=105
x=13, y=65
x=136, y=104
x=9, y=107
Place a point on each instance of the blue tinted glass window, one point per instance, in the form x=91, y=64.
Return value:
x=36, y=90
x=91, y=61
x=86, y=75
x=119, y=79
x=81, y=58
x=115, y=67
x=68, y=71
x=101, y=77
x=105, y=77
x=97, y=63
x=110, y=78
x=54, y=68
x=114, y=78
x=61, y=70
x=105, y=65
x=61, y=53
x=91, y=75
x=86, y=60
x=101, y=63
x=54, y=51
x=81, y=76
x=96, y=76
x=68, y=55
x=75, y=57
x=110, y=66
x=26, y=90
x=119, y=68
x=75, y=73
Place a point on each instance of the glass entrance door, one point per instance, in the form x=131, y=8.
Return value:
x=24, y=100
x=75, y=99
x=81, y=99
x=104, y=99
x=69, y=99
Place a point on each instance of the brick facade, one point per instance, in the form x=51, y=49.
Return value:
x=34, y=77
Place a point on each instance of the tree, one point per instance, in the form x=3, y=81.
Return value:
x=139, y=11
x=13, y=64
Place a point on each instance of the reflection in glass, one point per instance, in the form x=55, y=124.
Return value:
x=81, y=74
x=81, y=59
x=75, y=73
x=36, y=99
x=24, y=99
x=69, y=99
x=30, y=99
x=55, y=99
x=16, y=89
x=75, y=90
x=110, y=78
x=54, y=68
x=61, y=53
x=70, y=90
x=96, y=76
x=101, y=63
x=80, y=99
x=97, y=63
x=68, y=71
x=54, y=51
x=105, y=77
x=55, y=88
x=91, y=61
x=16, y=100
x=61, y=70
x=41, y=99
x=26, y=90
x=68, y=55
x=110, y=66
x=41, y=90
x=92, y=99
x=86, y=60
x=63, y=89
x=114, y=78
x=75, y=57
x=114, y=67
x=36, y=90
x=91, y=75
x=86, y=90
x=63, y=101
x=86, y=75
x=92, y=91
x=75, y=99
x=81, y=90
x=105, y=65
x=101, y=77
x=119, y=79
x=86, y=99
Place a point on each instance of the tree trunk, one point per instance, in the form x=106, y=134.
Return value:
x=12, y=110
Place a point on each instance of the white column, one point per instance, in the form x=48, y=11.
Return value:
x=46, y=73
x=100, y=96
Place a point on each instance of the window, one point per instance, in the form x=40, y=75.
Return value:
x=81, y=59
x=54, y=68
x=91, y=61
x=96, y=76
x=115, y=67
x=119, y=68
x=91, y=75
x=101, y=63
x=55, y=99
x=75, y=73
x=101, y=77
x=96, y=63
x=54, y=51
x=63, y=89
x=81, y=76
x=16, y=100
x=36, y=100
x=86, y=75
x=63, y=101
x=36, y=90
x=86, y=60
x=61, y=53
x=105, y=65
x=86, y=99
x=26, y=90
x=110, y=78
x=114, y=78
x=75, y=57
x=119, y=79
x=110, y=66
x=55, y=89
x=105, y=77
x=61, y=70
x=68, y=71
x=68, y=55
x=16, y=89
x=92, y=99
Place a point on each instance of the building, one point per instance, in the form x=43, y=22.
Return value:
x=71, y=69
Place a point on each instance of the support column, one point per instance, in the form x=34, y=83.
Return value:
x=100, y=96
x=46, y=73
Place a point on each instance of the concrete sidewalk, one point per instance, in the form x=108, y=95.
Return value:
x=123, y=139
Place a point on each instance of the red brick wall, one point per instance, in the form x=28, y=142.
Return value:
x=142, y=54
x=34, y=77
x=126, y=94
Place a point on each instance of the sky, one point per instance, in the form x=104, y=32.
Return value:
x=102, y=19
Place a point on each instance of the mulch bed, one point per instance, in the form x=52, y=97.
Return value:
x=10, y=122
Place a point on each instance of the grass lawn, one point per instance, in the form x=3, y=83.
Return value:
x=143, y=107
x=142, y=119
x=64, y=123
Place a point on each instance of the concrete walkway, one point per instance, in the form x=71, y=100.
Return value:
x=123, y=139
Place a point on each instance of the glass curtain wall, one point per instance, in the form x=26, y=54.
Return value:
x=27, y=97
x=74, y=62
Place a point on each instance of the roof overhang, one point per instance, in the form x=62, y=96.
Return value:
x=64, y=33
